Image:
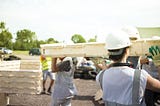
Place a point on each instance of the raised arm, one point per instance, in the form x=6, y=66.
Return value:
x=54, y=65
x=153, y=84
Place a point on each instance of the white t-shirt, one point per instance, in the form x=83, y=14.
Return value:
x=117, y=84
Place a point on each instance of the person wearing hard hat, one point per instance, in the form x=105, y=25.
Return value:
x=46, y=73
x=146, y=63
x=132, y=32
x=121, y=84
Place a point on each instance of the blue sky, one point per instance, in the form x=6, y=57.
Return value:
x=61, y=19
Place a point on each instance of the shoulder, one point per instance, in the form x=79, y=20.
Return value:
x=44, y=61
x=68, y=59
x=144, y=75
x=144, y=72
x=72, y=60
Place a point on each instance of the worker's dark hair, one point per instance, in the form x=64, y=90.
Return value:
x=117, y=57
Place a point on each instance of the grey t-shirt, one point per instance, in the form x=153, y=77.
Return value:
x=151, y=69
x=64, y=86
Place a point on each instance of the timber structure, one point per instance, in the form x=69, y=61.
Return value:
x=95, y=49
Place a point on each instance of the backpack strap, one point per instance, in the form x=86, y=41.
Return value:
x=136, y=85
x=101, y=78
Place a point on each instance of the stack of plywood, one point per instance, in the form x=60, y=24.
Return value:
x=138, y=48
x=10, y=64
x=16, y=81
x=21, y=64
x=30, y=65
x=26, y=80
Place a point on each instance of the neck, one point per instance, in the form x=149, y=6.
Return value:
x=122, y=61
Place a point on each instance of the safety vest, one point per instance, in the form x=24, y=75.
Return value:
x=44, y=65
x=135, y=90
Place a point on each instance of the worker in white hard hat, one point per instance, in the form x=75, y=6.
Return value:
x=121, y=84
x=132, y=32
x=145, y=63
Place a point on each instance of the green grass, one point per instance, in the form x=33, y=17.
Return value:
x=18, y=52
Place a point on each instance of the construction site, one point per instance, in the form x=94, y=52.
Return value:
x=21, y=85
x=21, y=79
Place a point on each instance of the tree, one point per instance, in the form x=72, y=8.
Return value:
x=5, y=36
x=93, y=39
x=51, y=40
x=40, y=42
x=77, y=38
x=25, y=40
x=2, y=25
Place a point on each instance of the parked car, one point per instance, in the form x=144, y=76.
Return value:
x=12, y=57
x=85, y=68
x=34, y=51
x=5, y=50
x=8, y=51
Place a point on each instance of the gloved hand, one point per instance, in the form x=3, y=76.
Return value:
x=155, y=53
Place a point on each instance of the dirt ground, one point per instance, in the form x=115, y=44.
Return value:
x=86, y=91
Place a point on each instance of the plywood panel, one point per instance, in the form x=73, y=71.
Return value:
x=138, y=48
x=30, y=65
x=20, y=81
x=3, y=99
x=74, y=50
x=10, y=64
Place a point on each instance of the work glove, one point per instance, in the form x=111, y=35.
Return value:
x=155, y=53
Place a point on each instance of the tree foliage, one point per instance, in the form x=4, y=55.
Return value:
x=5, y=36
x=77, y=38
x=51, y=40
x=2, y=25
x=93, y=39
x=25, y=40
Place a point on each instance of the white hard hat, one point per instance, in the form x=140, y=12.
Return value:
x=117, y=40
x=132, y=32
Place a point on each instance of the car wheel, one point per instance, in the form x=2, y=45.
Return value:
x=30, y=54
